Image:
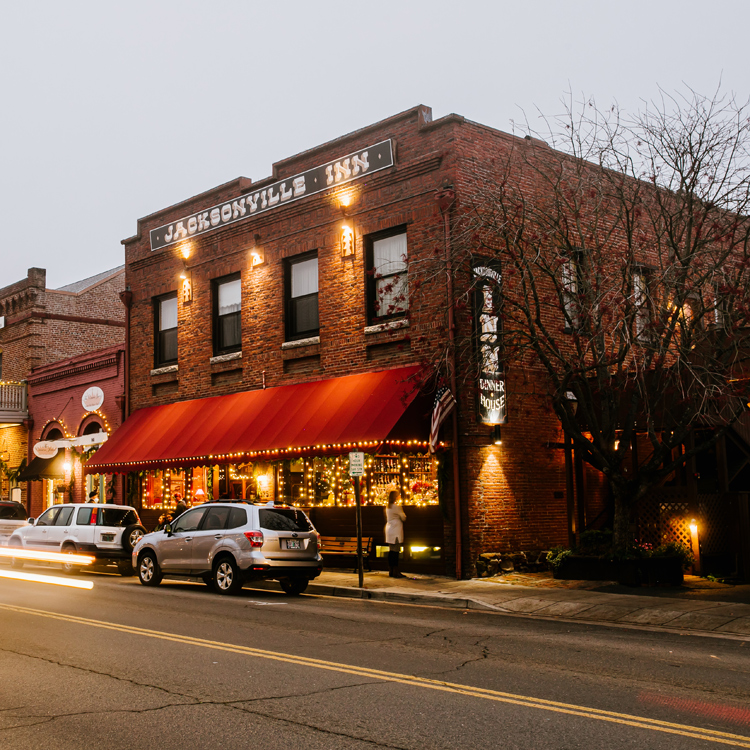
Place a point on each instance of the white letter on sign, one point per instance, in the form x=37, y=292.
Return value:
x=360, y=163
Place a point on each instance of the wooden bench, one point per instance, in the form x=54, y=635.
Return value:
x=346, y=545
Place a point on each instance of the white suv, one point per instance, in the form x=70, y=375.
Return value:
x=106, y=532
x=12, y=517
x=228, y=543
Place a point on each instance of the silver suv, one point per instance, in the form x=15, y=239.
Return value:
x=228, y=543
x=105, y=531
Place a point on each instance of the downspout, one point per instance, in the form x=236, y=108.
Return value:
x=445, y=199
x=126, y=298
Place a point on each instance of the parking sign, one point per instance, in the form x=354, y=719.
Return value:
x=356, y=464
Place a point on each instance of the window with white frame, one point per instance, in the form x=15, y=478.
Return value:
x=388, y=275
x=227, y=300
x=165, y=330
x=302, y=297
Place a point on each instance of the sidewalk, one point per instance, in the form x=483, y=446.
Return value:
x=698, y=607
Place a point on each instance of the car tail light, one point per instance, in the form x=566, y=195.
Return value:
x=318, y=537
x=255, y=538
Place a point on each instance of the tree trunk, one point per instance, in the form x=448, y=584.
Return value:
x=621, y=526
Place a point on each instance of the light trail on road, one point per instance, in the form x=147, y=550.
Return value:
x=526, y=701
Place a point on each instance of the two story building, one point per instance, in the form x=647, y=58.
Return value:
x=275, y=326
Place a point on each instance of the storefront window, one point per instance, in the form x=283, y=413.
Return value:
x=318, y=481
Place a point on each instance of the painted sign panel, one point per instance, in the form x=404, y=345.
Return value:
x=338, y=172
x=92, y=399
x=45, y=449
x=491, y=385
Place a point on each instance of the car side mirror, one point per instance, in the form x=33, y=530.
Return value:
x=168, y=529
x=32, y=521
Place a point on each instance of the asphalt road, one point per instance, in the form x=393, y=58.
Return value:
x=124, y=666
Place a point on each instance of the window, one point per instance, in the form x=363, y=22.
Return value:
x=64, y=516
x=189, y=521
x=227, y=300
x=388, y=287
x=48, y=518
x=569, y=283
x=284, y=519
x=84, y=516
x=165, y=330
x=641, y=302
x=302, y=297
x=237, y=518
x=117, y=516
x=216, y=518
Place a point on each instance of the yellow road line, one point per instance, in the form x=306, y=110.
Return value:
x=640, y=722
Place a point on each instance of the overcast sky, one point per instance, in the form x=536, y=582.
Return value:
x=113, y=110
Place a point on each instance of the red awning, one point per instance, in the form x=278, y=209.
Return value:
x=327, y=416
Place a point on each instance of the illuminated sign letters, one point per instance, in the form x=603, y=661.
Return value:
x=339, y=172
x=492, y=403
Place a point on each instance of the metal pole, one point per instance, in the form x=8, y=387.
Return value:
x=360, y=566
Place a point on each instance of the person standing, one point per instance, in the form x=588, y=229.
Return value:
x=94, y=496
x=181, y=506
x=394, y=532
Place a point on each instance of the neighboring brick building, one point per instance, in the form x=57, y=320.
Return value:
x=254, y=289
x=57, y=410
x=42, y=326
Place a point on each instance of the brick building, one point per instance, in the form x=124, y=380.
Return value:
x=274, y=327
x=59, y=409
x=42, y=326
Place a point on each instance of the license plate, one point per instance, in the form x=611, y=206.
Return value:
x=293, y=544
x=108, y=537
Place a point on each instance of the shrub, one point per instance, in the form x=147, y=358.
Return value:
x=556, y=556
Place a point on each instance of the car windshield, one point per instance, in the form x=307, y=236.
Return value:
x=284, y=519
x=12, y=512
x=118, y=516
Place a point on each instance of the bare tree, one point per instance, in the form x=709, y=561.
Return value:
x=624, y=244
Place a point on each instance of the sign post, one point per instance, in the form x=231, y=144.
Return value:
x=356, y=470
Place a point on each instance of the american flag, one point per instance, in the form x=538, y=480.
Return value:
x=444, y=403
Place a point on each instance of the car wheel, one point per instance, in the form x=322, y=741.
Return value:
x=70, y=568
x=131, y=536
x=125, y=568
x=16, y=563
x=227, y=578
x=149, y=572
x=294, y=586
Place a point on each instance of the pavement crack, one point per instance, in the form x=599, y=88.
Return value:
x=89, y=670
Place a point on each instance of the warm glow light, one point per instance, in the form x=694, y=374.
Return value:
x=693, y=527
x=32, y=554
x=347, y=240
x=58, y=581
x=185, y=250
x=346, y=199
x=67, y=466
x=617, y=444
x=418, y=549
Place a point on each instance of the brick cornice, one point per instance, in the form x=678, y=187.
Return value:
x=69, y=318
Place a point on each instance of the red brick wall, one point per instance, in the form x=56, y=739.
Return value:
x=55, y=393
x=513, y=497
x=44, y=326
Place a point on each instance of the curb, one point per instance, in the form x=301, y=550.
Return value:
x=396, y=597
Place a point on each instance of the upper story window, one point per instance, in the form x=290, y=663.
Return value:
x=227, y=301
x=388, y=280
x=569, y=287
x=165, y=330
x=302, y=297
x=642, y=304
